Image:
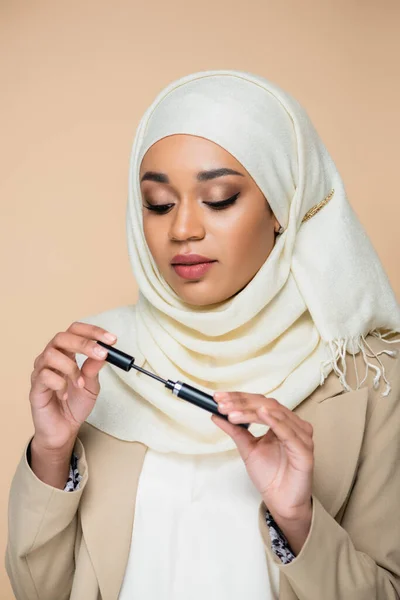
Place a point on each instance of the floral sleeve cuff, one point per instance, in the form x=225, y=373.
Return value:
x=279, y=543
x=74, y=478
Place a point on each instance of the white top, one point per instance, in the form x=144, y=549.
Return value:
x=196, y=532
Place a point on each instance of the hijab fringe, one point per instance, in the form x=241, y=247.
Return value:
x=337, y=361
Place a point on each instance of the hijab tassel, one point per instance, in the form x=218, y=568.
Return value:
x=337, y=361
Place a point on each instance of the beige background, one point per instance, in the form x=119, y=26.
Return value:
x=75, y=80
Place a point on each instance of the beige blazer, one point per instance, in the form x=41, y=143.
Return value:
x=76, y=544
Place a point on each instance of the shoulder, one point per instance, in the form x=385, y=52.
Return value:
x=377, y=360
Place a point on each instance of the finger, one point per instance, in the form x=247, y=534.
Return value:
x=238, y=401
x=63, y=394
x=282, y=416
x=244, y=404
x=92, y=332
x=56, y=360
x=305, y=436
x=59, y=393
x=70, y=342
x=305, y=426
x=237, y=417
x=242, y=401
x=80, y=336
x=96, y=354
x=243, y=416
x=285, y=433
x=48, y=380
x=91, y=368
x=244, y=440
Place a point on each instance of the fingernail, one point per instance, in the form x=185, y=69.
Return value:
x=235, y=415
x=220, y=396
x=100, y=351
x=81, y=382
x=110, y=337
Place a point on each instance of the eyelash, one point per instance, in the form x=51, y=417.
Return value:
x=164, y=208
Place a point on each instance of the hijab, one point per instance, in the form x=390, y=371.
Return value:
x=320, y=292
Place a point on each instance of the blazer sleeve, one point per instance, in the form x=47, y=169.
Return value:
x=42, y=529
x=360, y=557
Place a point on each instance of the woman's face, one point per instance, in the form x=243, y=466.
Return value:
x=181, y=177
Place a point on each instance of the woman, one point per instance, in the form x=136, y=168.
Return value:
x=257, y=282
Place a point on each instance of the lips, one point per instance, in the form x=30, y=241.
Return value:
x=190, y=259
x=193, y=272
x=191, y=266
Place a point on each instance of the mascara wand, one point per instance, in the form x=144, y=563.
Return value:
x=182, y=390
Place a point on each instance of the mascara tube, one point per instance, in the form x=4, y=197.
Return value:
x=178, y=388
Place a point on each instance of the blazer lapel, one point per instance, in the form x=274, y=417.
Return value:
x=338, y=419
x=108, y=504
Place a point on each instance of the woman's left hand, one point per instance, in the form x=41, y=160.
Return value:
x=280, y=463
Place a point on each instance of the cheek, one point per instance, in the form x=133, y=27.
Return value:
x=245, y=235
x=154, y=238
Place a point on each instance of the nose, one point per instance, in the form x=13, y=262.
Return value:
x=187, y=223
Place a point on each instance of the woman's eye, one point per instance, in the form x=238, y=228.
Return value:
x=223, y=203
x=158, y=208
x=162, y=209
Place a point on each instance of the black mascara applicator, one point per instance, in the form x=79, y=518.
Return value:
x=182, y=390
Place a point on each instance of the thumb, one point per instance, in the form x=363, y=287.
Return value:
x=91, y=367
x=244, y=440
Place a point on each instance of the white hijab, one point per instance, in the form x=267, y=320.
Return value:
x=319, y=293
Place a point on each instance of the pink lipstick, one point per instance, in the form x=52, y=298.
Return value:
x=191, y=266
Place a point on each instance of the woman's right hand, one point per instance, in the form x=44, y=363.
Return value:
x=61, y=395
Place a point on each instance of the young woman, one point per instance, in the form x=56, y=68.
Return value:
x=257, y=283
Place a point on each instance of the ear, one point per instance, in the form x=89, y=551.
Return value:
x=276, y=225
x=275, y=221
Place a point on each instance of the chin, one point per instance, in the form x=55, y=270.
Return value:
x=192, y=295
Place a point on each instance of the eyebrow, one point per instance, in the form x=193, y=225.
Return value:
x=201, y=176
